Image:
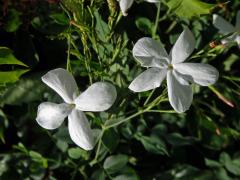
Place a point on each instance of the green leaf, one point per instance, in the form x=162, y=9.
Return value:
x=77, y=153
x=24, y=91
x=154, y=145
x=4, y=164
x=63, y=135
x=230, y=165
x=127, y=173
x=207, y=123
x=3, y=125
x=212, y=163
x=159, y=130
x=110, y=139
x=62, y=145
x=184, y=171
x=2, y=134
x=233, y=78
x=177, y=139
x=98, y=175
x=21, y=148
x=7, y=57
x=228, y=63
x=144, y=25
x=224, y=158
x=221, y=174
x=189, y=8
x=101, y=27
x=126, y=177
x=11, y=76
x=36, y=157
x=115, y=163
x=13, y=20
x=60, y=18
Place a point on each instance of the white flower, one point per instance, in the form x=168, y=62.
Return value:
x=152, y=54
x=226, y=28
x=98, y=97
x=126, y=4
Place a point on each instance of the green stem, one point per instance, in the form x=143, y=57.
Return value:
x=89, y=70
x=154, y=34
x=170, y=28
x=155, y=102
x=68, y=54
x=119, y=17
x=65, y=10
x=221, y=96
x=83, y=173
x=95, y=160
x=112, y=7
x=98, y=148
x=161, y=111
x=149, y=97
x=74, y=174
x=124, y=120
x=215, y=90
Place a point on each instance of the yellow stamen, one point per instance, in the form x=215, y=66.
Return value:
x=72, y=106
x=170, y=67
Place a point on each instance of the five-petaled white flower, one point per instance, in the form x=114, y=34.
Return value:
x=225, y=28
x=126, y=4
x=151, y=53
x=99, y=96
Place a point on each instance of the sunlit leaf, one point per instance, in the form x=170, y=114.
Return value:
x=76, y=153
x=115, y=163
x=11, y=76
x=189, y=8
x=7, y=57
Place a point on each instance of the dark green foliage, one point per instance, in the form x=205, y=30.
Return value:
x=141, y=136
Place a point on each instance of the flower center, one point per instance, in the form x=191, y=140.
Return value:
x=72, y=106
x=170, y=67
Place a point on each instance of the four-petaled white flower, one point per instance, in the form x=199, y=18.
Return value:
x=225, y=28
x=99, y=96
x=126, y=4
x=151, y=53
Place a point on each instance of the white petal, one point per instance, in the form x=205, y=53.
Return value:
x=183, y=47
x=180, y=96
x=79, y=130
x=149, y=79
x=150, y=53
x=62, y=82
x=100, y=96
x=202, y=74
x=183, y=79
x=222, y=25
x=227, y=40
x=125, y=5
x=153, y=1
x=238, y=40
x=51, y=115
x=231, y=39
x=238, y=21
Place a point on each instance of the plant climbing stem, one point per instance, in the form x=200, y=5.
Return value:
x=155, y=102
x=68, y=53
x=154, y=34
